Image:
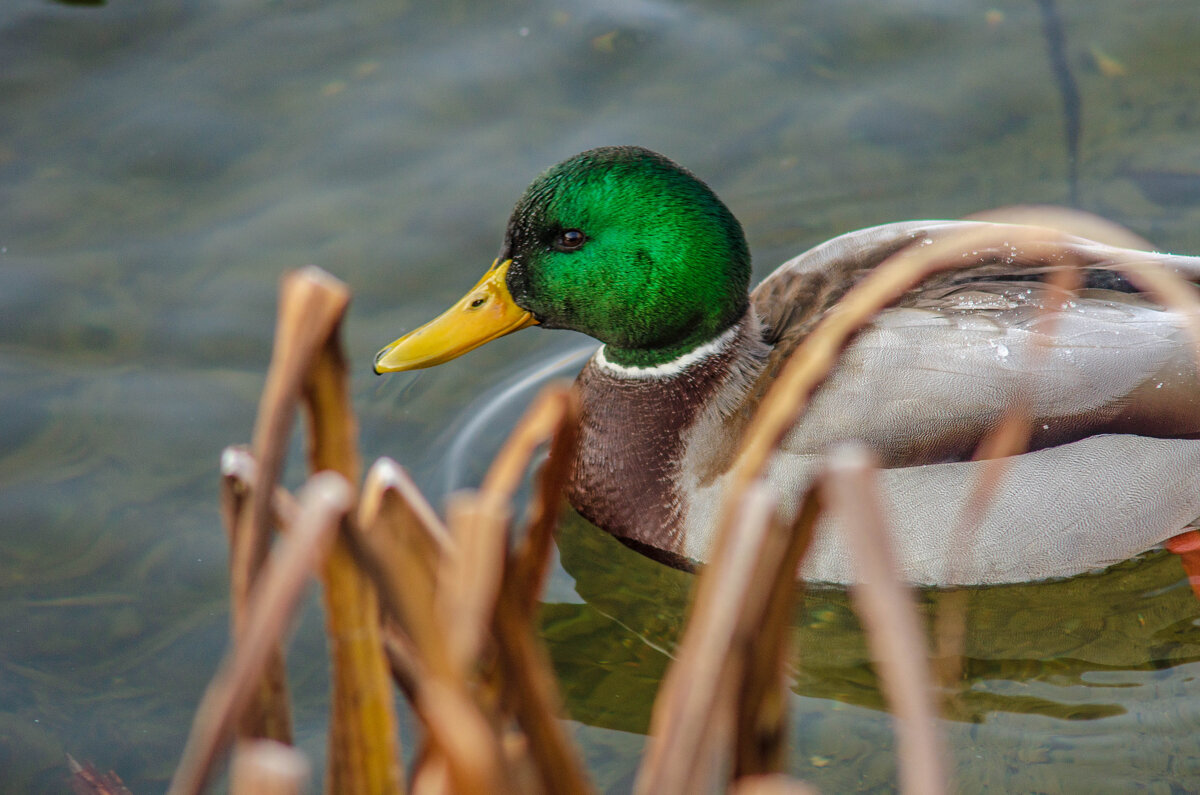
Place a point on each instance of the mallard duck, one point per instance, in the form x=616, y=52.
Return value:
x=624, y=245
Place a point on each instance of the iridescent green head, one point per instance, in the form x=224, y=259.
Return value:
x=619, y=243
x=628, y=247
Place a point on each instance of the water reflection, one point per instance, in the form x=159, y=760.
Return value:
x=1092, y=655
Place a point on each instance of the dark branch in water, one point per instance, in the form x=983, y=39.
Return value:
x=1056, y=46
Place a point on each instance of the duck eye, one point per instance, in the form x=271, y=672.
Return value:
x=570, y=240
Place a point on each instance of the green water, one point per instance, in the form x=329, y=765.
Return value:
x=163, y=162
x=1083, y=685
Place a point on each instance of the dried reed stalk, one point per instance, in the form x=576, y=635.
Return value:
x=399, y=543
x=1168, y=289
x=473, y=567
x=456, y=601
x=889, y=616
x=771, y=785
x=553, y=418
x=266, y=767
x=87, y=780
x=693, y=715
x=1010, y=437
x=324, y=502
x=431, y=776
x=464, y=750
x=391, y=498
x=1147, y=271
x=704, y=701
x=531, y=691
x=1066, y=220
x=269, y=713
x=544, y=418
x=520, y=764
x=469, y=580
x=307, y=316
x=529, y=686
x=449, y=623
x=364, y=745
x=761, y=730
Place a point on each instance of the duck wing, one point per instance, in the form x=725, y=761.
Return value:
x=793, y=298
x=929, y=377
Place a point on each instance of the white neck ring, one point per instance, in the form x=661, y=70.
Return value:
x=675, y=366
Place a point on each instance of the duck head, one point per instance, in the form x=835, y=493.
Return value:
x=619, y=243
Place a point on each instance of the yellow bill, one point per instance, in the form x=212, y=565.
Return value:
x=485, y=313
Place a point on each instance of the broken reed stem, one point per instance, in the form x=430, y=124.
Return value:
x=324, y=502
x=537, y=705
x=402, y=658
x=1066, y=220
x=267, y=767
x=470, y=583
x=541, y=421
x=400, y=544
x=390, y=495
x=1149, y=272
x=889, y=616
x=269, y=713
x=239, y=476
x=364, y=746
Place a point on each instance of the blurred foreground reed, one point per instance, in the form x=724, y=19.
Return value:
x=446, y=610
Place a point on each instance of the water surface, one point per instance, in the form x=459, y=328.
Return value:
x=163, y=162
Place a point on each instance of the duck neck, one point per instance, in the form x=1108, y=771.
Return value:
x=635, y=426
